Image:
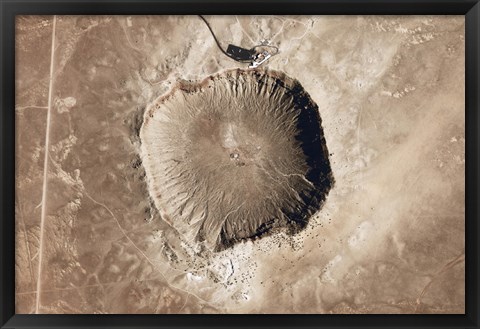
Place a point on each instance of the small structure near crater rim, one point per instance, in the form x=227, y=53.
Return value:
x=235, y=156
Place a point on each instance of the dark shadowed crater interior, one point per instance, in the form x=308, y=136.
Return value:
x=235, y=156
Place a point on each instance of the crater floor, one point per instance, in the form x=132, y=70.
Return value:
x=235, y=156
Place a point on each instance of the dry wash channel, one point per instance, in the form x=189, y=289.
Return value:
x=235, y=156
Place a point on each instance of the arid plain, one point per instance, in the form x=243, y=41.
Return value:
x=388, y=238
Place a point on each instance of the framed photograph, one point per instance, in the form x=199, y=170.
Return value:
x=239, y=164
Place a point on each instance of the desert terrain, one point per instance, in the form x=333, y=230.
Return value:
x=386, y=236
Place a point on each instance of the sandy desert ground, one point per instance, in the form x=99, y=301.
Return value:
x=389, y=237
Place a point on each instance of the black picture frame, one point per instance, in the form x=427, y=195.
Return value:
x=10, y=8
